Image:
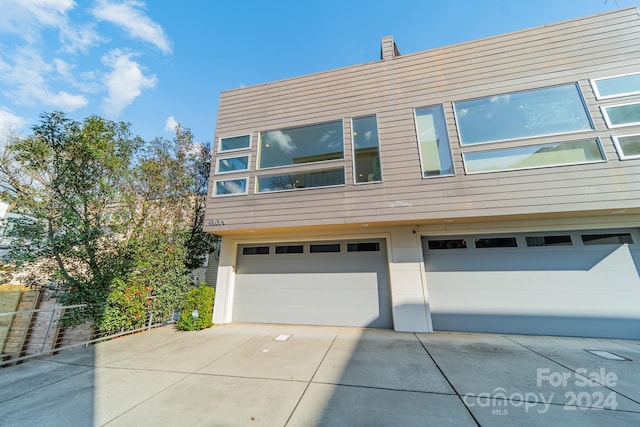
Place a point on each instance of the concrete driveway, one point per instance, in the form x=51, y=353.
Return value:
x=242, y=375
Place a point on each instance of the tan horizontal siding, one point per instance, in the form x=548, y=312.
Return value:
x=574, y=51
x=577, y=31
x=427, y=71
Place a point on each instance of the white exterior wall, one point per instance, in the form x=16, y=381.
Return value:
x=409, y=306
x=409, y=288
x=225, y=283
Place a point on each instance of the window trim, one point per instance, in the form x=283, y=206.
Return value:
x=353, y=151
x=596, y=91
x=597, y=139
x=250, y=135
x=344, y=171
x=619, y=149
x=246, y=187
x=446, y=130
x=259, y=147
x=217, y=170
x=580, y=95
x=605, y=114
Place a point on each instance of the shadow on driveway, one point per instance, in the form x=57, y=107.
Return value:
x=277, y=375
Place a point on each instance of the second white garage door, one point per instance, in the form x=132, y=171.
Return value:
x=333, y=283
x=557, y=283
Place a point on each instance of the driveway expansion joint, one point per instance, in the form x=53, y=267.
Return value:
x=573, y=370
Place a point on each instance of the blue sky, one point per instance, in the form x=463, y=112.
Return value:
x=157, y=63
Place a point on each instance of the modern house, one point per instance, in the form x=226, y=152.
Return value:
x=490, y=186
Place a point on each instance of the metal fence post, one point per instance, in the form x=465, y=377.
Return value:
x=46, y=335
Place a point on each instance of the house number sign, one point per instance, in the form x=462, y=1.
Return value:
x=216, y=222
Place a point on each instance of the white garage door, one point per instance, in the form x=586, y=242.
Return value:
x=558, y=283
x=337, y=283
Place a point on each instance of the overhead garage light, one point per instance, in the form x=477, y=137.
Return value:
x=282, y=337
x=607, y=355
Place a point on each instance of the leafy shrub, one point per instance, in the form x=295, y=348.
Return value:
x=200, y=299
x=125, y=308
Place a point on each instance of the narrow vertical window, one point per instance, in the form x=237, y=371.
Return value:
x=366, y=150
x=433, y=142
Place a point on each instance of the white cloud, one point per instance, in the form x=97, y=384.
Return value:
x=130, y=16
x=9, y=122
x=79, y=38
x=125, y=82
x=63, y=68
x=41, y=65
x=171, y=124
x=281, y=140
x=27, y=19
x=48, y=12
x=85, y=82
x=64, y=100
x=27, y=77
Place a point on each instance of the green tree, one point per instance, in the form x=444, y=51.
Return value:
x=63, y=178
x=118, y=215
x=198, y=243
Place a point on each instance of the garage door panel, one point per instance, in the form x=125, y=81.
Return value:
x=311, y=315
x=341, y=289
x=283, y=296
x=517, y=290
x=325, y=281
x=306, y=263
x=541, y=294
x=591, y=326
x=536, y=259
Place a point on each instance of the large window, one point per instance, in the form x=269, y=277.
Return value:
x=622, y=115
x=610, y=87
x=306, y=144
x=628, y=146
x=230, y=187
x=433, y=142
x=234, y=143
x=366, y=150
x=232, y=164
x=518, y=115
x=296, y=181
x=534, y=156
